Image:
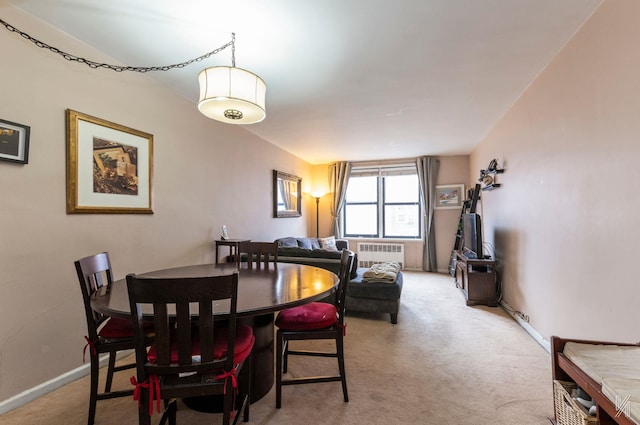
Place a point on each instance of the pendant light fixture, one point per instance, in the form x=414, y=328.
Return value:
x=232, y=95
x=228, y=94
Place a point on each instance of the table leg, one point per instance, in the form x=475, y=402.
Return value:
x=262, y=366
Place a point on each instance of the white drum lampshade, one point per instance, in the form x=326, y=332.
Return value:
x=232, y=95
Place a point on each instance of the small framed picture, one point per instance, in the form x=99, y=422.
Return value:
x=109, y=167
x=14, y=142
x=449, y=196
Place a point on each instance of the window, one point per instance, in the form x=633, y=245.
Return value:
x=383, y=203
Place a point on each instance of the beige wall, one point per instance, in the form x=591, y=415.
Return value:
x=564, y=224
x=206, y=174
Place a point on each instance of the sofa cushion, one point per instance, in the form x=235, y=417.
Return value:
x=325, y=253
x=291, y=251
x=287, y=242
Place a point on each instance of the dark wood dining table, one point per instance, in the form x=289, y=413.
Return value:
x=261, y=293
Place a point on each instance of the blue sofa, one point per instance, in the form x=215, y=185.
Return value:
x=368, y=297
x=308, y=251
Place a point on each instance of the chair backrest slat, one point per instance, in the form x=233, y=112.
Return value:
x=205, y=323
x=162, y=328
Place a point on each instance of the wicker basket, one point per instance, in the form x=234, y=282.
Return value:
x=568, y=411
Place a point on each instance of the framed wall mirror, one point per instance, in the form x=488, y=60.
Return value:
x=287, y=195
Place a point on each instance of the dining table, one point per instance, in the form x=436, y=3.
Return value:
x=261, y=293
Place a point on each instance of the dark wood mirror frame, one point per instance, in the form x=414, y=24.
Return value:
x=287, y=195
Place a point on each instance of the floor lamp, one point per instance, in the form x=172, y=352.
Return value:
x=317, y=195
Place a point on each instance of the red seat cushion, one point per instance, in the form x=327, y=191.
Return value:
x=243, y=345
x=307, y=316
x=120, y=328
x=116, y=328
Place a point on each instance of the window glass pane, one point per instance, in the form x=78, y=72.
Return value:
x=401, y=220
x=360, y=220
x=401, y=188
x=362, y=189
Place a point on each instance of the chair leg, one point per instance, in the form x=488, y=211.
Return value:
x=279, y=370
x=112, y=365
x=248, y=364
x=93, y=390
x=143, y=413
x=285, y=355
x=343, y=375
x=172, y=407
x=227, y=404
x=245, y=417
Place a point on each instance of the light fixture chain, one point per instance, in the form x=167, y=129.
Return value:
x=233, y=49
x=118, y=68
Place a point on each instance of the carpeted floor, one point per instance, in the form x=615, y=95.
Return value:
x=443, y=363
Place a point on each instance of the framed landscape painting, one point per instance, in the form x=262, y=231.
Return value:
x=449, y=196
x=109, y=167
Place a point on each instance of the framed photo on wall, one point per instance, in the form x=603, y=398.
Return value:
x=14, y=142
x=449, y=196
x=109, y=167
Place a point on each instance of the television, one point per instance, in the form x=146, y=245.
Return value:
x=472, y=235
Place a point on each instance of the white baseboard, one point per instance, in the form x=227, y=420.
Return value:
x=527, y=327
x=53, y=384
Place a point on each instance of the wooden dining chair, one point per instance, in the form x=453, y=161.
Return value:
x=258, y=254
x=104, y=334
x=316, y=320
x=194, y=354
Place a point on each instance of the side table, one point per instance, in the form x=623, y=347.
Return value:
x=231, y=243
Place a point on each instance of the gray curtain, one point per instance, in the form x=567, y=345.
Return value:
x=428, y=167
x=338, y=180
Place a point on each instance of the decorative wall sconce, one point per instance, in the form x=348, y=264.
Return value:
x=488, y=176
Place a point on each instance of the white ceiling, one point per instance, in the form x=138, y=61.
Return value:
x=349, y=79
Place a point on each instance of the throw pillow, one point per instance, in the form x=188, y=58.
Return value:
x=328, y=243
x=288, y=242
x=304, y=243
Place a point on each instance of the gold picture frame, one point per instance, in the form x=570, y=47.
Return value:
x=109, y=167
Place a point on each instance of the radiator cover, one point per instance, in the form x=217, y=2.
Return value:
x=370, y=253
